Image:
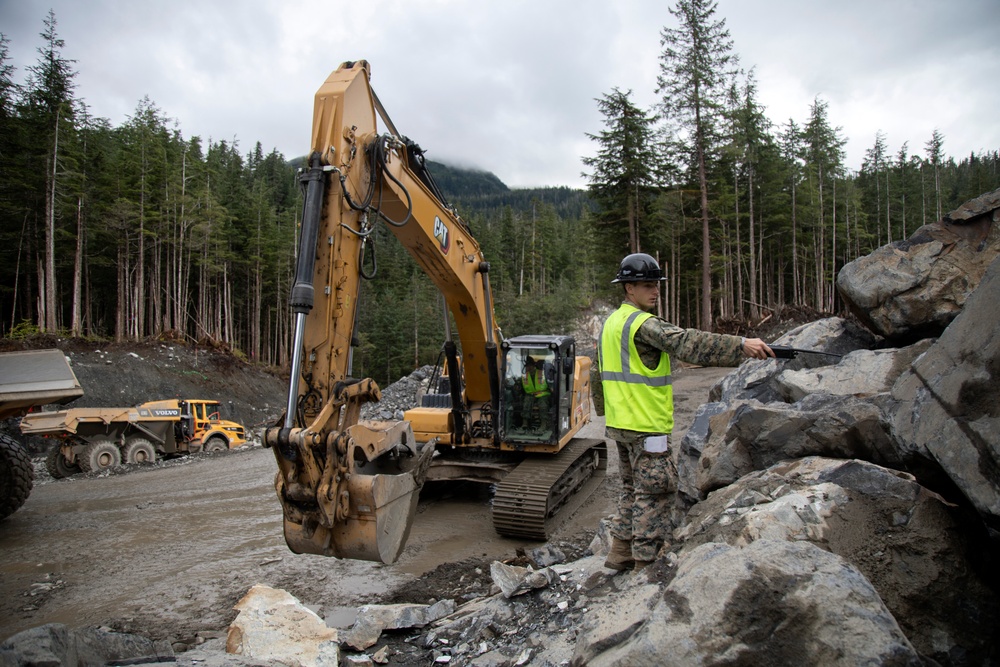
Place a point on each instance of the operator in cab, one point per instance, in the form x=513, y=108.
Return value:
x=635, y=352
x=535, y=408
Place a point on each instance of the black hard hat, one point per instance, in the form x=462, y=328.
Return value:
x=639, y=267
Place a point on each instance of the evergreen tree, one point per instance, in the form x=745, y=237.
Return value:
x=750, y=146
x=872, y=169
x=13, y=207
x=49, y=112
x=903, y=185
x=790, y=140
x=696, y=65
x=933, y=148
x=623, y=171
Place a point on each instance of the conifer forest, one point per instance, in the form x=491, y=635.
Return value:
x=135, y=231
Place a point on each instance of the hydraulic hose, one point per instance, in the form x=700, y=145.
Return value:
x=379, y=153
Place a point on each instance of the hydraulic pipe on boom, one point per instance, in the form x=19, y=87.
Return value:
x=302, y=295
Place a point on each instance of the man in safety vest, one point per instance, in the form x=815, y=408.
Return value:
x=635, y=352
x=536, y=395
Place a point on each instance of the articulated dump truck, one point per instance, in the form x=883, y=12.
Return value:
x=28, y=379
x=94, y=439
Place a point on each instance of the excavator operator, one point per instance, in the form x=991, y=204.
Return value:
x=536, y=394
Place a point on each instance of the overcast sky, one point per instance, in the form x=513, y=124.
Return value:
x=510, y=87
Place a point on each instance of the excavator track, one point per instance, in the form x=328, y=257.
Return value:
x=528, y=499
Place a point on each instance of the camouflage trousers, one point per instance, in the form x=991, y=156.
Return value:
x=647, y=503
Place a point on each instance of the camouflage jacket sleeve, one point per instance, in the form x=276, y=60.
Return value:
x=690, y=345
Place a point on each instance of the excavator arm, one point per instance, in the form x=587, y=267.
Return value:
x=350, y=490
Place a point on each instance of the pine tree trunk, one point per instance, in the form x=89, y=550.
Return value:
x=754, y=300
x=796, y=295
x=739, y=249
x=17, y=273
x=49, y=287
x=633, y=233
x=820, y=242
x=121, y=317
x=140, y=279
x=888, y=216
x=831, y=293
x=706, y=249
x=76, y=324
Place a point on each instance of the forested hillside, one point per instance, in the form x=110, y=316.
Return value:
x=123, y=232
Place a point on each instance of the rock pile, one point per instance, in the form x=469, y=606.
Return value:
x=914, y=288
x=399, y=396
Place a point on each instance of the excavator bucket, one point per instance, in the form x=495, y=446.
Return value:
x=364, y=509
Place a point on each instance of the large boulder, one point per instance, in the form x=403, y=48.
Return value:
x=903, y=538
x=272, y=625
x=862, y=372
x=752, y=436
x=913, y=289
x=58, y=644
x=772, y=602
x=753, y=378
x=373, y=619
x=947, y=405
x=834, y=409
x=693, y=444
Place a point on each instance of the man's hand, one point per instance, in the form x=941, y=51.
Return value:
x=755, y=348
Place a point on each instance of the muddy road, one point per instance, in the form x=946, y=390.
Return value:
x=167, y=550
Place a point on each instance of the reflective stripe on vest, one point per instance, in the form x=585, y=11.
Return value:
x=535, y=385
x=636, y=398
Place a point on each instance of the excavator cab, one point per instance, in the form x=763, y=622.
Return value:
x=536, y=388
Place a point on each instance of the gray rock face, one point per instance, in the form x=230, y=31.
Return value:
x=861, y=372
x=752, y=379
x=751, y=436
x=914, y=288
x=900, y=536
x=374, y=619
x=56, y=644
x=691, y=447
x=771, y=602
x=948, y=403
x=515, y=580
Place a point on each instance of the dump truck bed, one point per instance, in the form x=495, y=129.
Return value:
x=69, y=421
x=35, y=377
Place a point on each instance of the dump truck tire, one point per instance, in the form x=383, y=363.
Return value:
x=100, y=455
x=139, y=450
x=16, y=475
x=58, y=466
x=216, y=444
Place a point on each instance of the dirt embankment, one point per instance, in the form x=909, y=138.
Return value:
x=126, y=374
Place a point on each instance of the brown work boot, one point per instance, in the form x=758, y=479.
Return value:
x=620, y=556
x=640, y=564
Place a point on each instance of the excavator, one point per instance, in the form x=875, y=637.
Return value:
x=349, y=489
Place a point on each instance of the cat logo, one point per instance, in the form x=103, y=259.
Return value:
x=441, y=234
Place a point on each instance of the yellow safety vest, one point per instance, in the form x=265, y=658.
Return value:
x=535, y=385
x=636, y=398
